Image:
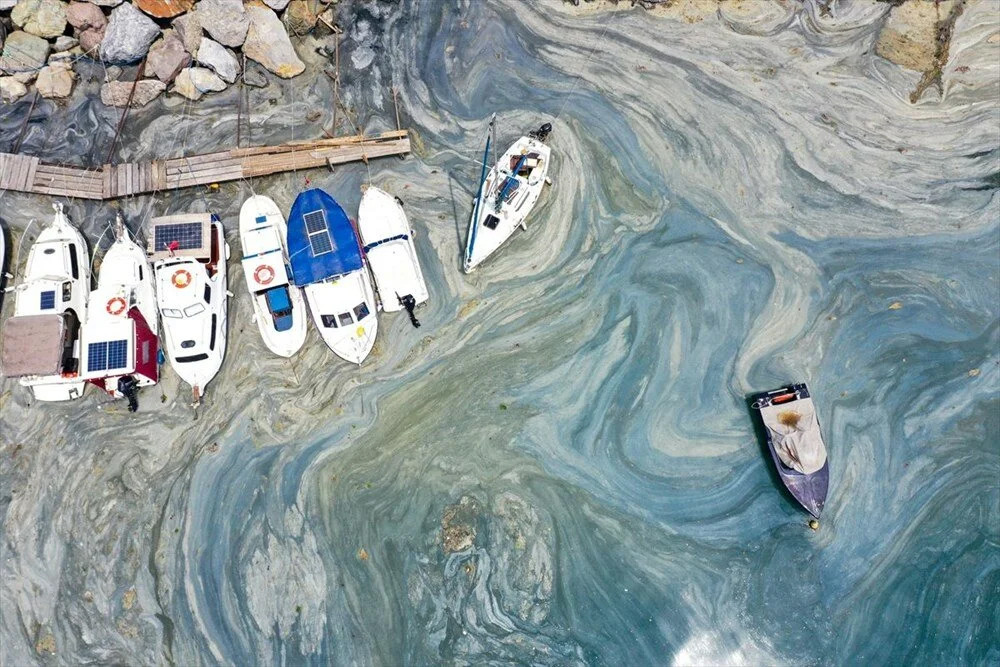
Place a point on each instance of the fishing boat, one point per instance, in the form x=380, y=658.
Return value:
x=120, y=333
x=795, y=442
x=391, y=255
x=41, y=343
x=279, y=309
x=327, y=263
x=189, y=254
x=507, y=193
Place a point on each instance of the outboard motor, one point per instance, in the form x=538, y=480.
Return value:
x=541, y=133
x=407, y=301
x=129, y=388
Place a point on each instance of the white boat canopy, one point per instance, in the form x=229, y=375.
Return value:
x=795, y=435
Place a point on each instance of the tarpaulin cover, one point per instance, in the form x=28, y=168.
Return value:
x=794, y=432
x=317, y=256
x=33, y=345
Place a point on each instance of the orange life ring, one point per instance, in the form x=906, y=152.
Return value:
x=263, y=274
x=116, y=306
x=181, y=278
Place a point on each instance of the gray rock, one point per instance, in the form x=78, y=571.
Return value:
x=255, y=76
x=107, y=3
x=84, y=15
x=225, y=20
x=194, y=82
x=188, y=28
x=167, y=57
x=69, y=54
x=116, y=93
x=22, y=52
x=44, y=18
x=11, y=89
x=268, y=43
x=128, y=36
x=65, y=43
x=56, y=80
x=26, y=77
x=213, y=55
x=276, y=5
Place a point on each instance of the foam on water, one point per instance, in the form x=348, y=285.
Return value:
x=559, y=466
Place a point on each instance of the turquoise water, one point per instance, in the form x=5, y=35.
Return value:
x=558, y=467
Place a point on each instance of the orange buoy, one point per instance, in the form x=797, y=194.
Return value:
x=263, y=274
x=181, y=278
x=116, y=306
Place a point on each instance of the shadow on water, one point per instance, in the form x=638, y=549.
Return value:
x=458, y=222
x=760, y=432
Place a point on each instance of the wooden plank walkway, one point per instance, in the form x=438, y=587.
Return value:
x=24, y=173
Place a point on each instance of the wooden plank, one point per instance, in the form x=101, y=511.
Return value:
x=29, y=179
x=64, y=192
x=198, y=168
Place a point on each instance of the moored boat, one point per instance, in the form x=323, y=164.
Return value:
x=389, y=250
x=796, y=443
x=189, y=254
x=279, y=308
x=120, y=333
x=327, y=263
x=41, y=343
x=507, y=193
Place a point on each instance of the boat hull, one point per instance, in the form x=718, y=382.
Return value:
x=388, y=245
x=284, y=343
x=334, y=306
x=809, y=489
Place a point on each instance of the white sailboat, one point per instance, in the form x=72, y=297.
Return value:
x=391, y=255
x=41, y=343
x=507, y=193
x=189, y=254
x=120, y=333
x=279, y=309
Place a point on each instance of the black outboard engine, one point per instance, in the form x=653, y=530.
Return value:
x=407, y=301
x=541, y=133
x=128, y=386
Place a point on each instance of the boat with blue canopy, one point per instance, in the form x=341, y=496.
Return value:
x=327, y=262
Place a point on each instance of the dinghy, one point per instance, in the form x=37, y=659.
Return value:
x=327, y=263
x=507, y=193
x=41, y=343
x=120, y=333
x=795, y=443
x=279, y=308
x=189, y=254
x=388, y=247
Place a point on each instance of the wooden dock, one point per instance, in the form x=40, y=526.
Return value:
x=24, y=173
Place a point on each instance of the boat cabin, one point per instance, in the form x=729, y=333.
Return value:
x=346, y=319
x=185, y=237
x=266, y=272
x=40, y=345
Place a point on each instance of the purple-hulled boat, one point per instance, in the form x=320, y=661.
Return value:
x=795, y=443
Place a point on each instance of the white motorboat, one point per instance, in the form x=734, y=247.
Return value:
x=279, y=309
x=189, y=254
x=41, y=343
x=391, y=255
x=120, y=333
x=327, y=262
x=507, y=193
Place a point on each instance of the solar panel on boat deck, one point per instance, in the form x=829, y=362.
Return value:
x=48, y=300
x=117, y=354
x=107, y=355
x=315, y=221
x=186, y=234
x=318, y=233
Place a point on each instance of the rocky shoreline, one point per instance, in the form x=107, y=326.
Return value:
x=182, y=47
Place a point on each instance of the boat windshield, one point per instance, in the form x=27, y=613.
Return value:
x=171, y=312
x=361, y=311
x=194, y=309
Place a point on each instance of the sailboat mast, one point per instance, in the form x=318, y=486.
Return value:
x=493, y=136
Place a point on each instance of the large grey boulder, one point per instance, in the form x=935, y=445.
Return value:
x=167, y=57
x=194, y=82
x=276, y=5
x=23, y=52
x=268, y=43
x=44, y=18
x=188, y=27
x=128, y=35
x=216, y=57
x=107, y=3
x=56, y=80
x=116, y=93
x=225, y=20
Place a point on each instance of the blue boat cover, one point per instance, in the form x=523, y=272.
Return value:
x=277, y=299
x=321, y=239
